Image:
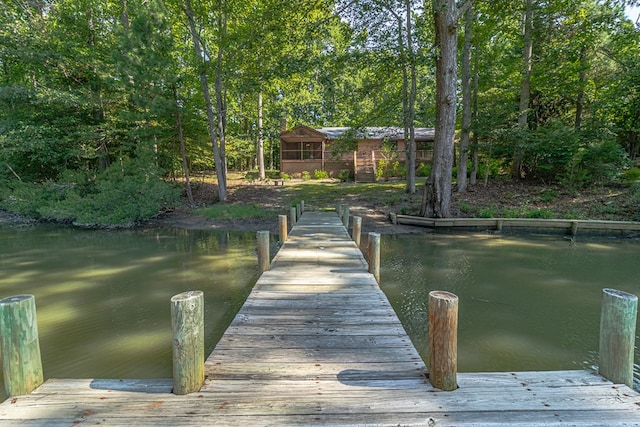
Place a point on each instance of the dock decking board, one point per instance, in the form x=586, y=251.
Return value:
x=317, y=343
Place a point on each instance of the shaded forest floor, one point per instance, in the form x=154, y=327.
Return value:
x=374, y=203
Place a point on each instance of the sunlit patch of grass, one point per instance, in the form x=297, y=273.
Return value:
x=235, y=211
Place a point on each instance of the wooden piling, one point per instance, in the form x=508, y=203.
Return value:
x=19, y=344
x=617, y=335
x=293, y=215
x=282, y=222
x=374, y=255
x=443, y=340
x=574, y=228
x=263, y=251
x=345, y=216
x=298, y=210
x=339, y=209
x=356, y=231
x=301, y=206
x=187, y=322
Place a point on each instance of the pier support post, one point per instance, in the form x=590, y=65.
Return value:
x=21, y=361
x=617, y=335
x=263, y=251
x=443, y=340
x=282, y=222
x=298, y=210
x=574, y=228
x=187, y=322
x=339, y=209
x=374, y=255
x=293, y=215
x=345, y=216
x=301, y=207
x=356, y=231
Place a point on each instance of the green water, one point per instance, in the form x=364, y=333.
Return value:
x=526, y=303
x=103, y=297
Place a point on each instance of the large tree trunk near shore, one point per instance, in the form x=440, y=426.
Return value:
x=436, y=199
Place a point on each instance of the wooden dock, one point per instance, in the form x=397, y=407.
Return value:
x=317, y=343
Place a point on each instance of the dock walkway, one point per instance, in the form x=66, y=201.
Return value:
x=317, y=343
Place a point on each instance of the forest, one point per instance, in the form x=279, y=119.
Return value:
x=107, y=108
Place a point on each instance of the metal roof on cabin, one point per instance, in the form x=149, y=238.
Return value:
x=378, y=132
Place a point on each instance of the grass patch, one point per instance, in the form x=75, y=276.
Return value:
x=235, y=211
x=325, y=195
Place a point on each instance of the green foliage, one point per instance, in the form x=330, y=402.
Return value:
x=285, y=176
x=127, y=192
x=306, y=176
x=631, y=175
x=539, y=213
x=344, y=175
x=320, y=174
x=548, y=195
x=423, y=170
x=489, y=212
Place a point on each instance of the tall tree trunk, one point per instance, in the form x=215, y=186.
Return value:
x=473, y=179
x=525, y=86
x=200, y=56
x=260, y=140
x=411, y=110
x=183, y=151
x=436, y=199
x=221, y=105
x=466, y=101
x=581, y=83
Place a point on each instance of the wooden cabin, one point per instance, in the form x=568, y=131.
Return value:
x=360, y=151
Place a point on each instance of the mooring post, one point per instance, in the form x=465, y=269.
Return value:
x=301, y=206
x=292, y=215
x=443, y=340
x=282, y=222
x=345, y=216
x=187, y=322
x=374, y=255
x=339, y=209
x=617, y=335
x=19, y=344
x=263, y=251
x=574, y=228
x=357, y=229
x=298, y=210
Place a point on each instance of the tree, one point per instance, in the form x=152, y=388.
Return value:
x=466, y=101
x=436, y=199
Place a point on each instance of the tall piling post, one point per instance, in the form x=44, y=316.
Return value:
x=374, y=255
x=20, y=346
x=282, y=223
x=345, y=216
x=301, y=206
x=617, y=335
x=263, y=251
x=443, y=340
x=339, y=209
x=293, y=215
x=356, y=230
x=298, y=210
x=187, y=323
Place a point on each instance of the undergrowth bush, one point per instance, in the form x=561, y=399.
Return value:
x=126, y=192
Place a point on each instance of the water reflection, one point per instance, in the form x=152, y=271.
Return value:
x=526, y=303
x=103, y=296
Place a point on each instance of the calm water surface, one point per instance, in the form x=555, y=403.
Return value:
x=526, y=303
x=103, y=297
